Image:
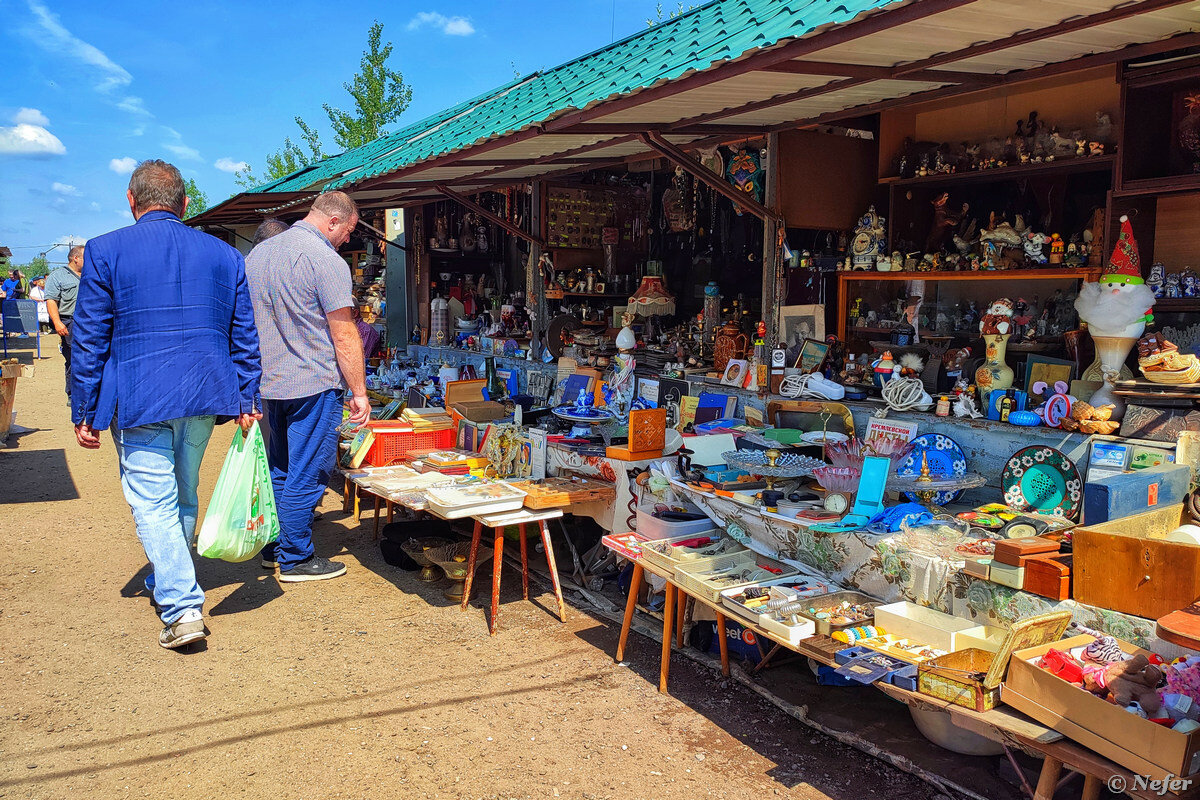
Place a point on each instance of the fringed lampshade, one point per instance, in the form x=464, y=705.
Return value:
x=652, y=298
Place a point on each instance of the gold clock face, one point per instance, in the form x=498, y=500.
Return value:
x=862, y=244
x=837, y=502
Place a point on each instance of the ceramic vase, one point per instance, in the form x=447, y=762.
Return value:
x=1111, y=352
x=994, y=373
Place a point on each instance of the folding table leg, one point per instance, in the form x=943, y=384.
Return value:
x=1091, y=788
x=377, y=498
x=497, y=563
x=680, y=608
x=471, y=563
x=391, y=507
x=724, y=644
x=348, y=496
x=635, y=585
x=668, y=614
x=524, y=564
x=562, y=606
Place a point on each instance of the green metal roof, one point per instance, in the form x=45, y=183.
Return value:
x=719, y=31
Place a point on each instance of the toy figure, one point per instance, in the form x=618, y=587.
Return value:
x=1095, y=148
x=999, y=317
x=1057, y=249
x=1156, y=279
x=972, y=314
x=1033, y=247
x=944, y=220
x=1080, y=146
x=1126, y=683
x=1074, y=258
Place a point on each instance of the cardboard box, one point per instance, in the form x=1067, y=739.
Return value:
x=1127, y=565
x=920, y=624
x=1137, y=744
x=479, y=410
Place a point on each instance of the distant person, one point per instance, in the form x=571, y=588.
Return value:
x=164, y=346
x=62, y=287
x=271, y=226
x=12, y=286
x=312, y=352
x=37, y=293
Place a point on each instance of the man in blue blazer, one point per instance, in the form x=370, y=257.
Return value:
x=164, y=345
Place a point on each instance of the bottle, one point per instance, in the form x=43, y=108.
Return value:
x=943, y=406
x=1006, y=404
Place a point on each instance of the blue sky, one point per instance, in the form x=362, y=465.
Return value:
x=89, y=89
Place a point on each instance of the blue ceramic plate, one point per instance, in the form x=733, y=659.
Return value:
x=945, y=458
x=1040, y=478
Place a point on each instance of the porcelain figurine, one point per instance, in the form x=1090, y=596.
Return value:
x=1173, y=288
x=869, y=240
x=945, y=220
x=1074, y=258
x=1157, y=278
x=1191, y=284
x=1080, y=147
x=1058, y=250
x=1033, y=247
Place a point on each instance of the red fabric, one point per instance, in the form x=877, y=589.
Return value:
x=1125, y=264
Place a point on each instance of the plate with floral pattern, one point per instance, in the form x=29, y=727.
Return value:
x=1040, y=478
x=945, y=458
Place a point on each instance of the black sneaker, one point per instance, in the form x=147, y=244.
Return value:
x=268, y=563
x=315, y=569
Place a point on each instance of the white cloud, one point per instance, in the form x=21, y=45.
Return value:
x=94, y=206
x=134, y=105
x=122, y=166
x=70, y=241
x=451, y=26
x=183, y=151
x=65, y=189
x=229, y=165
x=31, y=116
x=52, y=36
x=24, y=139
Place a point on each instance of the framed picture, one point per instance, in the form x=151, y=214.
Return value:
x=812, y=355
x=735, y=372
x=797, y=323
x=1051, y=370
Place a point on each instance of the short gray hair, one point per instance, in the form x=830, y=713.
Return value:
x=335, y=204
x=77, y=250
x=157, y=184
x=271, y=226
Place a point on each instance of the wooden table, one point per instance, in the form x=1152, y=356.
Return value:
x=498, y=522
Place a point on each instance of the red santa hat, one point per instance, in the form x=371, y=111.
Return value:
x=1125, y=265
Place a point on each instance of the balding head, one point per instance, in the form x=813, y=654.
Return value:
x=156, y=186
x=334, y=214
x=271, y=226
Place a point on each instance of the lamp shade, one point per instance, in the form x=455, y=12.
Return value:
x=652, y=298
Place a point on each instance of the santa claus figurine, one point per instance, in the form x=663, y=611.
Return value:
x=1116, y=310
x=998, y=319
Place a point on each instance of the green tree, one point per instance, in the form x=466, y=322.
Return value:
x=36, y=268
x=197, y=200
x=659, y=16
x=380, y=96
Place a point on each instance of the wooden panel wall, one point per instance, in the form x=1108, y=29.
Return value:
x=825, y=181
x=1177, y=232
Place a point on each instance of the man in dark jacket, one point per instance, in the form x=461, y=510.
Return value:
x=163, y=344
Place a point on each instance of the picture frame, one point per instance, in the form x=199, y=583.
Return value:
x=799, y=323
x=735, y=372
x=812, y=356
x=1050, y=370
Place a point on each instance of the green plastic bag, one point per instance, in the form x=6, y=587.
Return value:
x=241, y=517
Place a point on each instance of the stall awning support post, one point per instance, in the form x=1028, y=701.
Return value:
x=774, y=275
x=499, y=222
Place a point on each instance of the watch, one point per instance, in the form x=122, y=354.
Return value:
x=837, y=502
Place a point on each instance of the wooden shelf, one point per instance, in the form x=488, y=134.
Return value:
x=1176, y=305
x=1063, y=166
x=982, y=275
x=594, y=295
x=1172, y=184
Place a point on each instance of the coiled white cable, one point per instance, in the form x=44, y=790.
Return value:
x=906, y=394
x=794, y=385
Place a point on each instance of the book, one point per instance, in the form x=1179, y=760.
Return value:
x=687, y=410
x=359, y=446
x=881, y=430
x=532, y=462
x=647, y=389
x=391, y=409
x=727, y=404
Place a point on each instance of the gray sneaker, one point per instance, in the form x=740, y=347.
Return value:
x=315, y=569
x=189, y=628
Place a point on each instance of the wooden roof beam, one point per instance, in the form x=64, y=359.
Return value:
x=880, y=73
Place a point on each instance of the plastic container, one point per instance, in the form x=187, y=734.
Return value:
x=826, y=600
x=391, y=447
x=708, y=580
x=665, y=554
x=920, y=624
x=654, y=528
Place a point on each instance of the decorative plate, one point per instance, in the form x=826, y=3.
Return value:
x=1040, y=478
x=822, y=437
x=945, y=458
x=585, y=414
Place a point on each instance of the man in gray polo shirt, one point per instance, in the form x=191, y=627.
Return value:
x=62, y=286
x=311, y=353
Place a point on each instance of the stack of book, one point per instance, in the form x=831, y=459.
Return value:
x=426, y=419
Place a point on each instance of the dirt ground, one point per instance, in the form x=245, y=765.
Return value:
x=368, y=686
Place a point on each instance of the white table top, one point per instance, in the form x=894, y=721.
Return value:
x=518, y=517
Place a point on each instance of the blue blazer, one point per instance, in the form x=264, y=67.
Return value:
x=163, y=327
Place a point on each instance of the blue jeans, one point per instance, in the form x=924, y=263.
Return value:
x=301, y=451
x=160, y=472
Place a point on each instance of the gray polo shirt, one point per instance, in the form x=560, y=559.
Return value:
x=296, y=278
x=62, y=286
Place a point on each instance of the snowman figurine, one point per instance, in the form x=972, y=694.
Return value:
x=1116, y=310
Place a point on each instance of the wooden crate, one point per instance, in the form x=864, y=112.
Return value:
x=562, y=492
